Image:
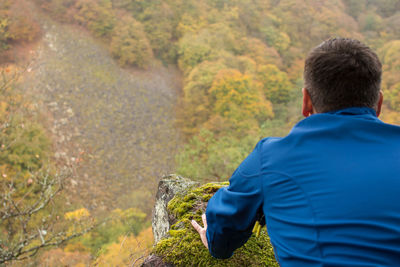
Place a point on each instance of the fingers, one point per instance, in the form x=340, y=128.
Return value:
x=204, y=218
x=201, y=230
x=196, y=226
x=204, y=240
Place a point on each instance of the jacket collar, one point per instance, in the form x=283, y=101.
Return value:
x=354, y=111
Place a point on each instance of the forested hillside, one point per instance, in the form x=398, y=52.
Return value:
x=240, y=62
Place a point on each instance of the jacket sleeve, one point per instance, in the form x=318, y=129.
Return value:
x=232, y=211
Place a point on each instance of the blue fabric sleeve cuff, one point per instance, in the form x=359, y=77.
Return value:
x=219, y=254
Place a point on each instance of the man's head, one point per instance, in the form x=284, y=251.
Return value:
x=342, y=73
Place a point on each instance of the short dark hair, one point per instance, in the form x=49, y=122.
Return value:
x=342, y=73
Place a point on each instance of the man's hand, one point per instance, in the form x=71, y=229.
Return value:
x=202, y=231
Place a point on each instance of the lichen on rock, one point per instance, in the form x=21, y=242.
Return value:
x=182, y=245
x=168, y=187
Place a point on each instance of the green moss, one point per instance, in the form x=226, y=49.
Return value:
x=183, y=247
x=206, y=197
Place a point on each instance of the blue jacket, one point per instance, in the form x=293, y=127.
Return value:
x=330, y=192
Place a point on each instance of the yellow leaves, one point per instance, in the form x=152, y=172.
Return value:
x=279, y=40
x=4, y=22
x=210, y=43
x=10, y=70
x=130, y=45
x=295, y=71
x=6, y=172
x=190, y=24
x=77, y=215
x=59, y=257
x=146, y=237
x=260, y=52
x=390, y=116
x=98, y=16
x=23, y=29
x=390, y=54
x=276, y=84
x=127, y=250
x=16, y=24
x=392, y=96
x=129, y=213
x=309, y=22
x=78, y=246
x=3, y=108
x=78, y=220
x=193, y=49
x=238, y=97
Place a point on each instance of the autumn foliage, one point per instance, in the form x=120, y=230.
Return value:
x=16, y=24
x=129, y=43
x=240, y=63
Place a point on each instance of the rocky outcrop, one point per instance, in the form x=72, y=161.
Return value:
x=168, y=187
x=179, y=200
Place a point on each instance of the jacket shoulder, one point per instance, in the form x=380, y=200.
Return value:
x=252, y=165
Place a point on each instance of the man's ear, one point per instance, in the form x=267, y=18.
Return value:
x=379, y=106
x=307, y=108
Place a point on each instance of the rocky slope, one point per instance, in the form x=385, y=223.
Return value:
x=114, y=126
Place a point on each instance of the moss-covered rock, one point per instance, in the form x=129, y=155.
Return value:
x=183, y=247
x=168, y=187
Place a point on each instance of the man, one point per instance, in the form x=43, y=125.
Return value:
x=330, y=190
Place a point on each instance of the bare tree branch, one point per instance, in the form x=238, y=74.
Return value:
x=27, y=217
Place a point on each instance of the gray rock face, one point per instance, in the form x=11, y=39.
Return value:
x=168, y=187
x=155, y=261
